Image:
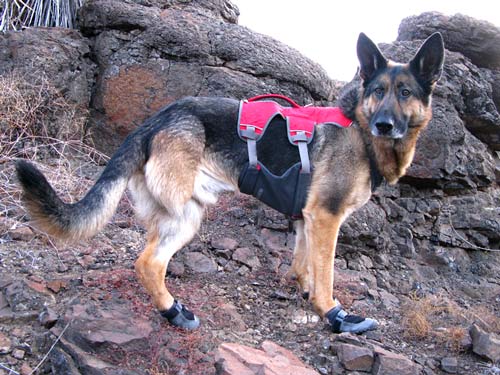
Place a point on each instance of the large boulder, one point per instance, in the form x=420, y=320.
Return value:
x=149, y=57
x=478, y=40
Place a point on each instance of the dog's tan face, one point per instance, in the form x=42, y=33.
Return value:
x=396, y=98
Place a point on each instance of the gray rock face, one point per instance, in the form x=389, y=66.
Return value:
x=149, y=57
x=473, y=63
x=475, y=39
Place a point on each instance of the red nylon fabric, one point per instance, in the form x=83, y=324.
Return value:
x=260, y=113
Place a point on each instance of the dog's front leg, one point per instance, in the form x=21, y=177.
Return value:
x=321, y=230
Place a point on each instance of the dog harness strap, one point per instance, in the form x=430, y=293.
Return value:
x=251, y=138
x=301, y=140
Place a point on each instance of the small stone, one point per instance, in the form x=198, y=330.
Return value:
x=5, y=344
x=485, y=344
x=355, y=357
x=246, y=256
x=200, y=263
x=38, y=287
x=18, y=353
x=389, y=301
x=280, y=294
x=3, y=301
x=224, y=244
x=21, y=234
x=61, y=267
x=56, y=285
x=48, y=317
x=175, y=268
x=86, y=261
x=449, y=365
x=25, y=369
x=243, y=270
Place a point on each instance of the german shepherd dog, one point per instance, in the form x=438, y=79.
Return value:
x=182, y=158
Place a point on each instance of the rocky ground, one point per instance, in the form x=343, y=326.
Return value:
x=434, y=319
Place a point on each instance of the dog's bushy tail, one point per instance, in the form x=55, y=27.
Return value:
x=72, y=221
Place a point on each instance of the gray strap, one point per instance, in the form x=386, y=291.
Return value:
x=249, y=133
x=299, y=137
x=252, y=152
x=251, y=136
x=304, y=154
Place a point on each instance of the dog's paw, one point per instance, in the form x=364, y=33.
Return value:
x=179, y=316
x=343, y=322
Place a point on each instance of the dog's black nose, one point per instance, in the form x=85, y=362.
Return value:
x=384, y=127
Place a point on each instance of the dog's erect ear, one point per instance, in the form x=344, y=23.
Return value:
x=370, y=57
x=428, y=61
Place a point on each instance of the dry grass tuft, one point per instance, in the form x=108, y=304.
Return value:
x=39, y=124
x=453, y=338
x=435, y=318
x=416, y=318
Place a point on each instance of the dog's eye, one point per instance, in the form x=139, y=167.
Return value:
x=405, y=93
x=379, y=91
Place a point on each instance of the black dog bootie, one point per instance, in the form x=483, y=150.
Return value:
x=343, y=322
x=179, y=316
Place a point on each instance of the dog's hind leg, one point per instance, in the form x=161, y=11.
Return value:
x=164, y=201
x=300, y=258
x=168, y=235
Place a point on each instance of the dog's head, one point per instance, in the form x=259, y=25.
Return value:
x=396, y=97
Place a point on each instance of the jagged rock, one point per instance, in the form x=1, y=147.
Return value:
x=62, y=363
x=449, y=365
x=48, y=317
x=481, y=42
x=93, y=332
x=485, y=344
x=389, y=363
x=224, y=243
x=247, y=256
x=21, y=234
x=3, y=301
x=388, y=300
x=355, y=358
x=5, y=344
x=26, y=296
x=175, y=268
x=199, y=262
x=236, y=359
x=224, y=10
